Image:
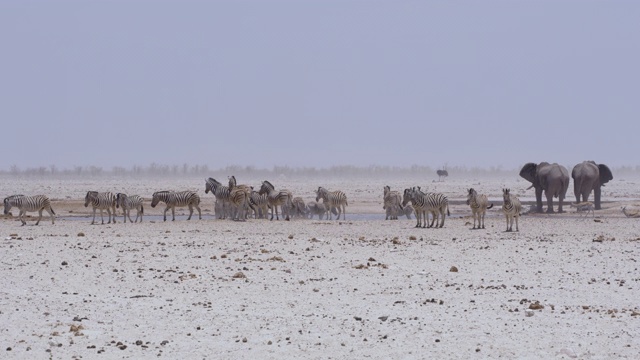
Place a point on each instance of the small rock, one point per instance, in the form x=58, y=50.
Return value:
x=453, y=269
x=65, y=263
x=383, y=318
x=80, y=234
x=244, y=340
x=529, y=313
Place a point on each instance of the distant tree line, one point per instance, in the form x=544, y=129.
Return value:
x=184, y=170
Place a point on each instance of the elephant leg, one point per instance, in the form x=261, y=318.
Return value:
x=549, y=203
x=597, y=192
x=539, y=199
x=560, y=203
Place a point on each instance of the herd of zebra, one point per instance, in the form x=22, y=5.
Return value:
x=237, y=202
x=233, y=201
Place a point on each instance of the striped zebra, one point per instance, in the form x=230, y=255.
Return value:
x=511, y=208
x=177, y=199
x=246, y=205
x=260, y=204
x=102, y=201
x=392, y=203
x=221, y=193
x=276, y=198
x=130, y=202
x=436, y=204
x=479, y=206
x=29, y=203
x=336, y=199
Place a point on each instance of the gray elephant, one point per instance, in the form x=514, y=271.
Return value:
x=589, y=176
x=552, y=178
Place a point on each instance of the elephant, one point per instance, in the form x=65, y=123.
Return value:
x=589, y=176
x=552, y=178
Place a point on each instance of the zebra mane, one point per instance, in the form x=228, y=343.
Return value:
x=162, y=192
x=269, y=184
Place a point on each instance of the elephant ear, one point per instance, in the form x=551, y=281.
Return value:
x=605, y=174
x=528, y=172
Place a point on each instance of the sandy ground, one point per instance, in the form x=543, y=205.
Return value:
x=565, y=286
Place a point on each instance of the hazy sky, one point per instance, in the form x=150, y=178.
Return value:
x=319, y=83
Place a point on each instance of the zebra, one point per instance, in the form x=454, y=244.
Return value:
x=177, y=199
x=102, y=201
x=130, y=202
x=392, y=203
x=299, y=207
x=478, y=204
x=318, y=208
x=511, y=208
x=336, y=199
x=245, y=203
x=221, y=193
x=29, y=203
x=442, y=174
x=276, y=198
x=239, y=198
x=435, y=203
x=260, y=204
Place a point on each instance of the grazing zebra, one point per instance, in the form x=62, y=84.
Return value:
x=29, y=203
x=478, y=204
x=130, y=202
x=276, y=198
x=392, y=203
x=102, y=201
x=318, y=208
x=442, y=174
x=435, y=203
x=511, y=208
x=336, y=199
x=299, y=207
x=221, y=193
x=177, y=199
x=260, y=204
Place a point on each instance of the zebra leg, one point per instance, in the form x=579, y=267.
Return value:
x=52, y=214
x=39, y=217
x=94, y=216
x=344, y=213
x=190, y=211
x=199, y=212
x=173, y=214
x=165, y=213
x=111, y=215
x=21, y=213
x=516, y=216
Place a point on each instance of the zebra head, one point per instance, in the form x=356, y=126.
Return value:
x=157, y=196
x=266, y=187
x=90, y=196
x=387, y=188
x=120, y=199
x=7, y=205
x=505, y=196
x=321, y=193
x=471, y=195
x=232, y=182
x=406, y=197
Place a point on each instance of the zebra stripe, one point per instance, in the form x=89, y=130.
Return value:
x=260, y=204
x=177, y=199
x=239, y=200
x=276, y=198
x=130, y=202
x=479, y=206
x=392, y=203
x=29, y=203
x=245, y=202
x=511, y=208
x=435, y=203
x=336, y=199
x=102, y=201
x=221, y=193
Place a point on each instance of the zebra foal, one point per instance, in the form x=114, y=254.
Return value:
x=336, y=199
x=511, y=208
x=177, y=199
x=102, y=201
x=479, y=206
x=29, y=203
x=130, y=202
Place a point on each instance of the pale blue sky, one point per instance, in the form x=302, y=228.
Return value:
x=319, y=83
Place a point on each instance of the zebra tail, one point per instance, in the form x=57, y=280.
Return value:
x=141, y=209
x=448, y=213
x=490, y=206
x=53, y=212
